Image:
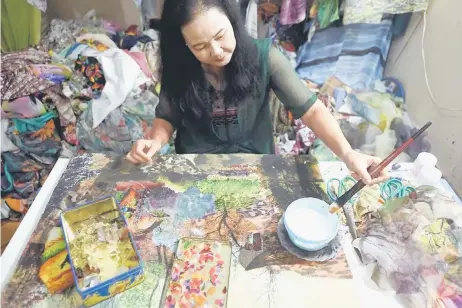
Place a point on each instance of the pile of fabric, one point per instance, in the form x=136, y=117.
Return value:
x=87, y=86
x=339, y=48
x=415, y=246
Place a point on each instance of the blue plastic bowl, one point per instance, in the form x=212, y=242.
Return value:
x=318, y=241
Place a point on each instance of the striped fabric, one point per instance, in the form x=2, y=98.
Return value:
x=355, y=54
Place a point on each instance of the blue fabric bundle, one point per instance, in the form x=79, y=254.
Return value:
x=355, y=54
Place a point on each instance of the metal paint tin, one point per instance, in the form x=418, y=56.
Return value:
x=71, y=220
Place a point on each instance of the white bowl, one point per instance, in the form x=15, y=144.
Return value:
x=309, y=223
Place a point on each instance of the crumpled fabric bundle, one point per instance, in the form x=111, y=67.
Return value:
x=292, y=12
x=98, y=41
x=372, y=11
x=125, y=74
x=121, y=127
x=91, y=68
x=23, y=107
x=131, y=37
x=416, y=245
x=61, y=35
x=39, y=144
x=16, y=78
x=151, y=51
x=63, y=106
x=37, y=137
x=40, y=4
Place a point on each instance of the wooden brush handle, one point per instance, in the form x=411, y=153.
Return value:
x=376, y=171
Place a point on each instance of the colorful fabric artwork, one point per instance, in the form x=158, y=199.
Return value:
x=249, y=193
x=63, y=106
x=200, y=274
x=92, y=69
x=355, y=54
x=371, y=11
x=416, y=242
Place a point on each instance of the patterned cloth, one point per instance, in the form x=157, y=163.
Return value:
x=67, y=117
x=356, y=54
x=416, y=242
x=25, y=171
x=23, y=107
x=371, y=11
x=37, y=137
x=62, y=34
x=123, y=126
x=92, y=69
x=293, y=11
x=17, y=80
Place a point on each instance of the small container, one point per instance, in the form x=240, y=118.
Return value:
x=423, y=159
x=297, y=222
x=86, y=216
x=428, y=176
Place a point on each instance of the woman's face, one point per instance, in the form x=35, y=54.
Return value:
x=210, y=37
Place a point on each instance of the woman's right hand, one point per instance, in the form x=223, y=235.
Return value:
x=143, y=150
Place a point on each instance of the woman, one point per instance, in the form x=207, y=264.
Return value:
x=215, y=86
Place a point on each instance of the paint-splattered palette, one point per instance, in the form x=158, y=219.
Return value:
x=200, y=274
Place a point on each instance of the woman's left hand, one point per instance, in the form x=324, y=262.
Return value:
x=360, y=163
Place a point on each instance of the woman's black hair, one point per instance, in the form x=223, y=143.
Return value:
x=183, y=80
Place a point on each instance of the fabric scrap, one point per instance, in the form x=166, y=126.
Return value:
x=7, y=145
x=417, y=248
x=122, y=126
x=122, y=75
x=16, y=78
x=91, y=68
x=356, y=54
x=292, y=12
x=371, y=11
x=61, y=35
x=98, y=41
x=23, y=107
x=38, y=138
x=140, y=58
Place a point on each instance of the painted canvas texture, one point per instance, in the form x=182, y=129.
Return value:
x=235, y=198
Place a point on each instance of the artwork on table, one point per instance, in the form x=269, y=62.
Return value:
x=200, y=274
x=238, y=199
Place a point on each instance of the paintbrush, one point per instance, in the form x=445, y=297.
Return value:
x=343, y=199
